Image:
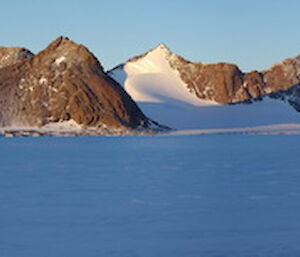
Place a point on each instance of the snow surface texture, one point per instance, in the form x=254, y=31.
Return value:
x=194, y=196
x=164, y=97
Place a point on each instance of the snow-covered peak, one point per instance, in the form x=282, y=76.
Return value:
x=162, y=46
x=163, y=49
x=151, y=78
x=156, y=60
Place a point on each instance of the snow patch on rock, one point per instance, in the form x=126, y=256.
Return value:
x=43, y=81
x=69, y=125
x=60, y=60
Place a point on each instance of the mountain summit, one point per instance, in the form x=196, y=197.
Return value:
x=61, y=83
x=152, y=78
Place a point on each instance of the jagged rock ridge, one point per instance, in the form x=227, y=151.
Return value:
x=63, y=82
x=225, y=83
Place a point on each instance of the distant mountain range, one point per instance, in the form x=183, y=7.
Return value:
x=66, y=83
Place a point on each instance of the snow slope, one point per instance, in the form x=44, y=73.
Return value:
x=151, y=79
x=164, y=97
x=267, y=112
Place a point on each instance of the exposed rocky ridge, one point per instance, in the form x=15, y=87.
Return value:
x=13, y=55
x=64, y=82
x=225, y=83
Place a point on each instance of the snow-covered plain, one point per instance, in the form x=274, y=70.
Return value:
x=194, y=196
x=184, y=116
x=164, y=97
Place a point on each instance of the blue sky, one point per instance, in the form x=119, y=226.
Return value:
x=254, y=34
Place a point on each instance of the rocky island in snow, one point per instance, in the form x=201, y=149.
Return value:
x=63, y=85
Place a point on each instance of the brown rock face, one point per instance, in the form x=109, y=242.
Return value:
x=226, y=84
x=218, y=82
x=283, y=75
x=223, y=83
x=63, y=82
x=13, y=55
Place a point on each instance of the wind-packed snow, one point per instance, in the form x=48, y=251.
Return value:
x=280, y=129
x=193, y=196
x=184, y=116
x=164, y=97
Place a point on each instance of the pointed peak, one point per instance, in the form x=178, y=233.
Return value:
x=63, y=38
x=162, y=47
x=65, y=50
x=61, y=41
x=161, y=50
x=65, y=46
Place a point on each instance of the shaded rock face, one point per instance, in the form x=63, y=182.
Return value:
x=13, y=55
x=64, y=82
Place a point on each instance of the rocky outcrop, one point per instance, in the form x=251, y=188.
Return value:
x=226, y=84
x=13, y=55
x=217, y=82
x=63, y=82
x=283, y=75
